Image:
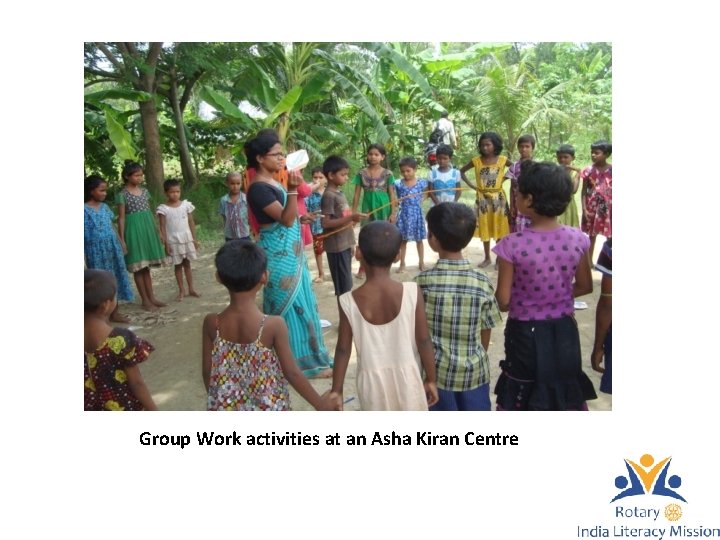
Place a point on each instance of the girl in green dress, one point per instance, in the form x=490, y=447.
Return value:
x=139, y=233
x=378, y=191
x=565, y=156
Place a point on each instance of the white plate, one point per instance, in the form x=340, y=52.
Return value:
x=325, y=324
x=580, y=305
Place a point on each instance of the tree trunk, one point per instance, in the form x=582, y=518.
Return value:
x=283, y=125
x=186, y=165
x=154, y=173
x=550, y=133
x=511, y=142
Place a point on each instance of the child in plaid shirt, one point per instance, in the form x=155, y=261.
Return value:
x=461, y=311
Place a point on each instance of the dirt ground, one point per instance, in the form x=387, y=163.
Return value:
x=173, y=371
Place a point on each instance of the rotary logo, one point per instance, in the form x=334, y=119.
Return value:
x=673, y=512
x=650, y=478
x=648, y=517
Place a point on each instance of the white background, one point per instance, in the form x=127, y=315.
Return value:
x=86, y=475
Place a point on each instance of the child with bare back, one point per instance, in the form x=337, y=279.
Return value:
x=247, y=361
x=387, y=322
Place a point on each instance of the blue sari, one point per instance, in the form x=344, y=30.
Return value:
x=289, y=293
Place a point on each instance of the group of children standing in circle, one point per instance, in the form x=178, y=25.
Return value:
x=435, y=354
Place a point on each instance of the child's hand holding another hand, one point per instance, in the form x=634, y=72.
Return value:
x=331, y=401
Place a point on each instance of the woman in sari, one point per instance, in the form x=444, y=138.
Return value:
x=288, y=292
x=281, y=175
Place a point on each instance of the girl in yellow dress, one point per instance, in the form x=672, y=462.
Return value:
x=491, y=203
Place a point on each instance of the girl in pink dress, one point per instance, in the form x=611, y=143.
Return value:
x=542, y=269
x=597, y=194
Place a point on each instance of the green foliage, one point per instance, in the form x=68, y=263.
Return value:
x=102, y=96
x=337, y=98
x=284, y=106
x=98, y=147
x=205, y=197
x=121, y=139
x=109, y=138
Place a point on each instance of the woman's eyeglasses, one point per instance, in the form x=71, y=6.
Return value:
x=277, y=154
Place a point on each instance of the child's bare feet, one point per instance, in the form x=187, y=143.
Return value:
x=485, y=263
x=193, y=292
x=400, y=270
x=180, y=296
x=319, y=279
x=149, y=306
x=117, y=317
x=158, y=303
x=324, y=374
x=421, y=266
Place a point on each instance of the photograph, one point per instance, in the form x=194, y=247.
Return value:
x=374, y=226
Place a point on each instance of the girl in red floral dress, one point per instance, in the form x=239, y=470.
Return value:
x=112, y=377
x=597, y=194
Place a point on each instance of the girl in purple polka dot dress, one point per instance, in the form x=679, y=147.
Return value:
x=542, y=269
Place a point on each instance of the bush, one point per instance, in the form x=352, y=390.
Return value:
x=206, y=196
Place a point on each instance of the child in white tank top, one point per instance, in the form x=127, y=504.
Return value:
x=387, y=322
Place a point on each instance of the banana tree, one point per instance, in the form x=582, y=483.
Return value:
x=505, y=98
x=443, y=68
x=133, y=64
x=290, y=81
x=105, y=128
x=573, y=93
